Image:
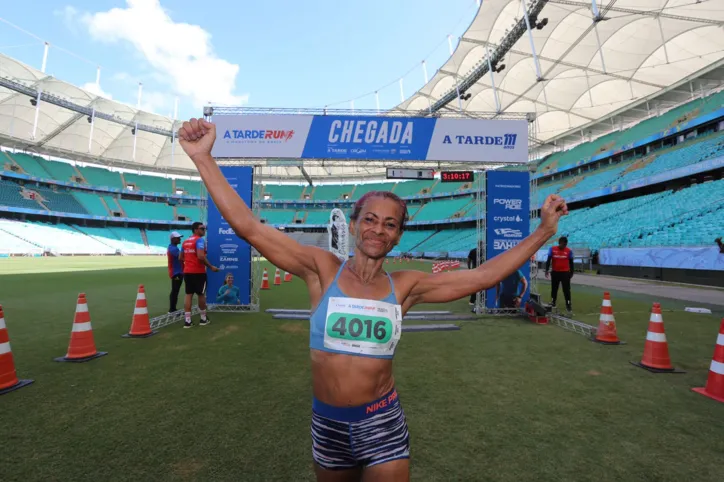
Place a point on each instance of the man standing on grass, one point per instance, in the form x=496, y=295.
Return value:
x=175, y=269
x=561, y=257
x=475, y=259
x=193, y=257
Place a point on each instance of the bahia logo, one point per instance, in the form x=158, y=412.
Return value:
x=507, y=141
x=227, y=231
x=505, y=243
x=259, y=134
x=370, y=132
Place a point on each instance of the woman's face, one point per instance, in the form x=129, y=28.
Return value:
x=229, y=280
x=378, y=228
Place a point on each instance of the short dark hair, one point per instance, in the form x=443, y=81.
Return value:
x=563, y=239
x=195, y=226
x=383, y=194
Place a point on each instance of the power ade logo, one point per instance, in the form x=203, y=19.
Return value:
x=370, y=132
x=227, y=231
x=512, y=204
x=259, y=135
x=507, y=141
x=504, y=244
x=509, y=233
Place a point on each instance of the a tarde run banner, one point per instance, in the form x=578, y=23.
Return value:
x=507, y=223
x=370, y=137
x=226, y=250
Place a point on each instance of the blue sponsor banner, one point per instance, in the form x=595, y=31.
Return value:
x=704, y=258
x=226, y=250
x=507, y=224
x=369, y=137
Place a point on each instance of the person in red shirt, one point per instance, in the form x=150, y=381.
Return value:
x=193, y=257
x=561, y=257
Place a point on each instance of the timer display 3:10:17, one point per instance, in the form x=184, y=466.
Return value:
x=456, y=176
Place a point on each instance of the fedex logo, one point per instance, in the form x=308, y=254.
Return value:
x=227, y=231
x=278, y=135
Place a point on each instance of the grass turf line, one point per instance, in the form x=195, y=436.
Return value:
x=502, y=399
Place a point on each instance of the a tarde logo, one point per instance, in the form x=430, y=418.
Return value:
x=259, y=135
x=370, y=132
x=507, y=141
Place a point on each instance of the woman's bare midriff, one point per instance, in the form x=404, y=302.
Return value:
x=349, y=381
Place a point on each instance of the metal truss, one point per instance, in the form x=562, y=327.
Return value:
x=574, y=325
x=453, y=114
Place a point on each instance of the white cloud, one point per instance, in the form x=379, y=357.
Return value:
x=180, y=53
x=94, y=88
x=69, y=15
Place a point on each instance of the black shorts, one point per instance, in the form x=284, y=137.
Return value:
x=195, y=283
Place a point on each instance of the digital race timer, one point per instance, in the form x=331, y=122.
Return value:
x=456, y=176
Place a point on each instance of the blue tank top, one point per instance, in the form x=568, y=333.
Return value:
x=369, y=328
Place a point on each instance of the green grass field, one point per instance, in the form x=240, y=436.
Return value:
x=502, y=399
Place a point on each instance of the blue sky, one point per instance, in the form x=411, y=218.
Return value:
x=267, y=53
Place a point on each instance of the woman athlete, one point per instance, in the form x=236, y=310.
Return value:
x=359, y=431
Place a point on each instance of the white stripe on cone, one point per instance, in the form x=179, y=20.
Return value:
x=141, y=296
x=606, y=302
x=2, y=324
x=659, y=337
x=656, y=318
x=82, y=326
x=140, y=311
x=717, y=367
x=719, y=339
x=81, y=308
x=4, y=348
x=605, y=317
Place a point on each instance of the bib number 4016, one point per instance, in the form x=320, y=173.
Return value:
x=376, y=331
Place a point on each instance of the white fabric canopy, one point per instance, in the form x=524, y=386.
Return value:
x=646, y=47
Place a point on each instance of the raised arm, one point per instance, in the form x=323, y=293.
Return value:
x=197, y=138
x=453, y=285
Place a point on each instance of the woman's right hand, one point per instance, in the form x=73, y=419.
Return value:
x=197, y=137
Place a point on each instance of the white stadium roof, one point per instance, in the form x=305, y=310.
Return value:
x=590, y=68
x=596, y=74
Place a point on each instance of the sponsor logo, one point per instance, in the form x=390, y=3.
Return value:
x=505, y=243
x=226, y=231
x=509, y=219
x=512, y=204
x=370, y=132
x=259, y=135
x=357, y=150
x=507, y=141
x=223, y=267
x=509, y=233
x=228, y=259
x=508, y=186
x=229, y=248
x=336, y=150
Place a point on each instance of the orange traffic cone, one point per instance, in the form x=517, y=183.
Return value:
x=8, y=376
x=140, y=324
x=394, y=260
x=715, y=383
x=287, y=276
x=387, y=260
x=277, y=278
x=82, y=347
x=265, y=280
x=656, y=350
x=606, y=333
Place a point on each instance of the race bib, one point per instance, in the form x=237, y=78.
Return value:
x=362, y=327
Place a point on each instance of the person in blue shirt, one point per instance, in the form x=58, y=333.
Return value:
x=510, y=291
x=228, y=293
x=175, y=269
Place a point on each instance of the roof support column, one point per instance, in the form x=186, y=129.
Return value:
x=532, y=45
x=98, y=78
x=492, y=79
x=135, y=129
x=402, y=91
x=45, y=57
x=457, y=86
x=663, y=40
x=92, y=125
x=600, y=50
x=424, y=73
x=377, y=101
x=37, y=112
